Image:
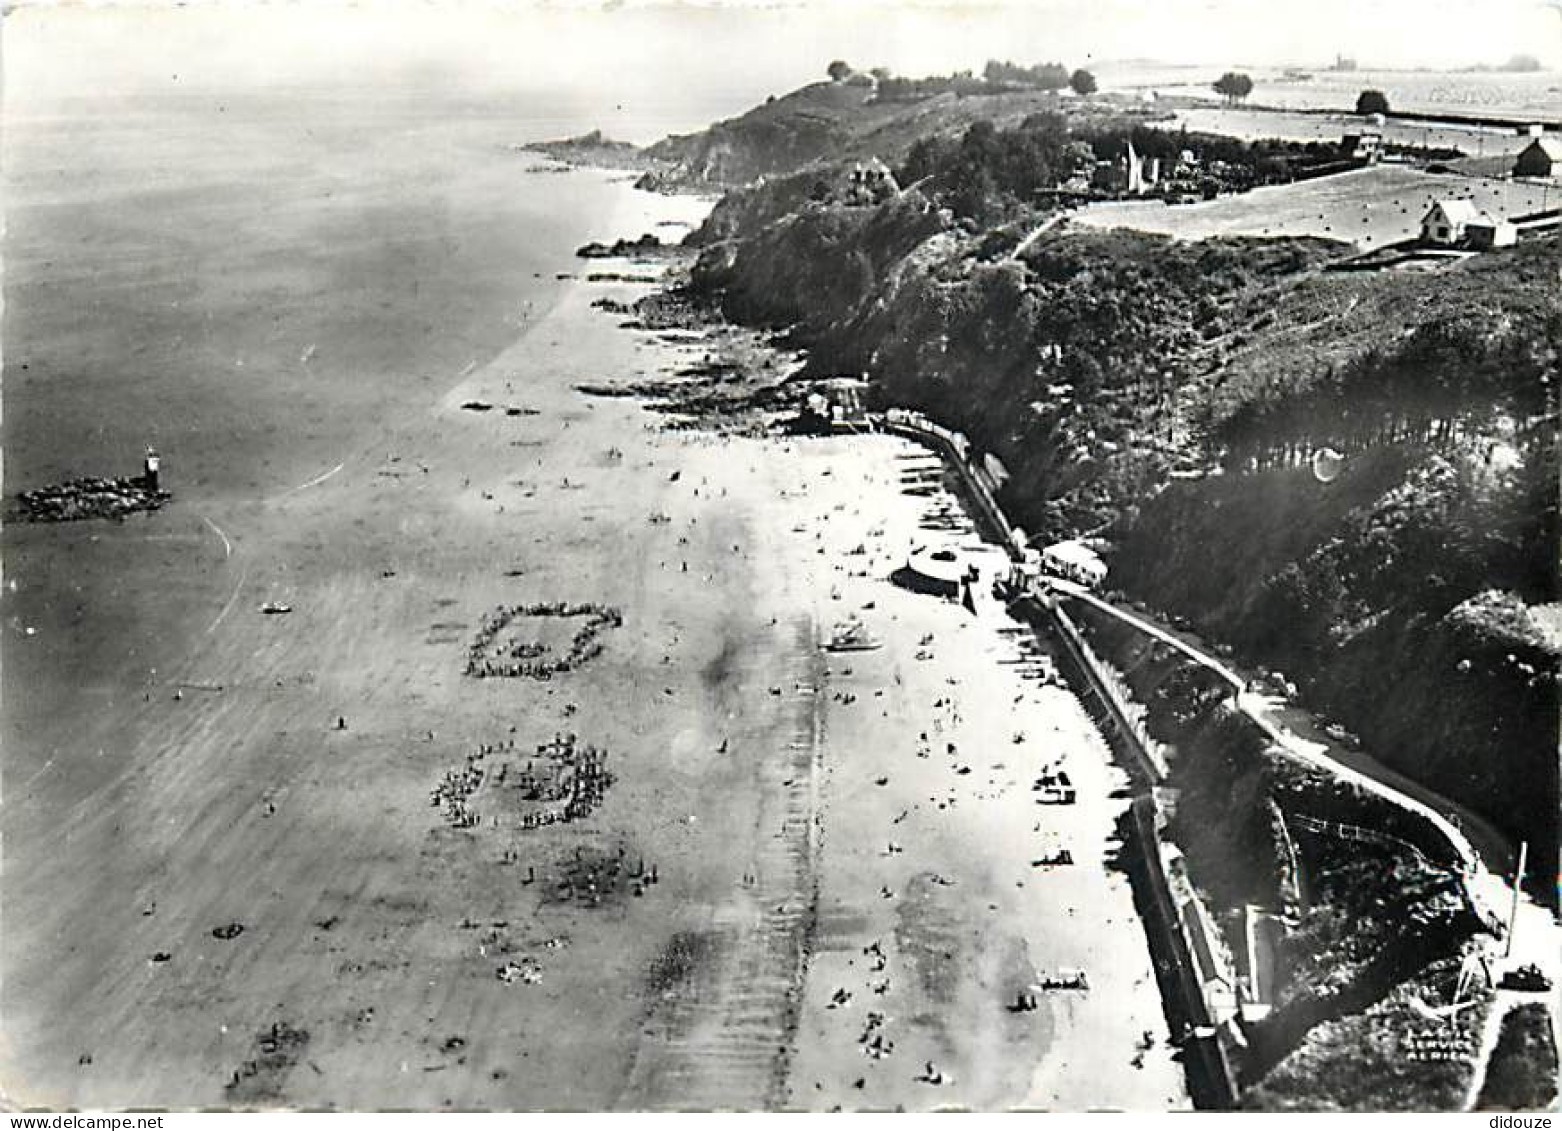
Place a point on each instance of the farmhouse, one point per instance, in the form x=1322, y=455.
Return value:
x=1444, y=223
x=1542, y=157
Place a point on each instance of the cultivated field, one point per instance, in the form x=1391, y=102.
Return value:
x=1250, y=123
x=1365, y=208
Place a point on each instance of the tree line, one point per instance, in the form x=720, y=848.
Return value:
x=1444, y=386
x=988, y=173
x=996, y=77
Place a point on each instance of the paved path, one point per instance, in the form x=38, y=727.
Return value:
x=1041, y=229
x=1257, y=708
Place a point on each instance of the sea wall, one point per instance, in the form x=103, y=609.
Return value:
x=1190, y=1011
x=956, y=450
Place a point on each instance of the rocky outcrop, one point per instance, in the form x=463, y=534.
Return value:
x=646, y=245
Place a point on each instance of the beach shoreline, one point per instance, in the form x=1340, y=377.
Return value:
x=276, y=777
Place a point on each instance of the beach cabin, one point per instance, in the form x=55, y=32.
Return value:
x=1257, y=965
x=1075, y=562
x=1542, y=157
x=1220, y=992
x=1445, y=221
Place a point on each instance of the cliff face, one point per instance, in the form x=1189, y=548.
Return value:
x=1068, y=361
x=1169, y=396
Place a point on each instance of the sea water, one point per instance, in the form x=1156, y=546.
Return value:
x=246, y=279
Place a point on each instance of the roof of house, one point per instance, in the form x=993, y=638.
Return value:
x=1457, y=211
x=1550, y=146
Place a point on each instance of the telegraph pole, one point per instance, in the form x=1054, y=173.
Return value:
x=1513, y=912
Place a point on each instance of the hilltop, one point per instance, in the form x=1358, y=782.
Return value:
x=853, y=119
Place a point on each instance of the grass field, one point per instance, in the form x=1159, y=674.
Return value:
x=1250, y=122
x=1365, y=208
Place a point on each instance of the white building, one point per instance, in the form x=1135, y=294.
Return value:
x=1445, y=221
x=1075, y=561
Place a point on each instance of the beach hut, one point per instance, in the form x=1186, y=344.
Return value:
x=1075, y=561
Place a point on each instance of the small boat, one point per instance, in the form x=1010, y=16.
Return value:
x=851, y=636
x=1065, y=980
x=1053, y=860
x=272, y=608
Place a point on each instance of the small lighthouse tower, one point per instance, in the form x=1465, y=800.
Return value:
x=151, y=466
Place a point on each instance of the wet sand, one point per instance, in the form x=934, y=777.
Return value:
x=274, y=772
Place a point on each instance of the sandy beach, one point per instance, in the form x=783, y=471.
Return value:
x=234, y=875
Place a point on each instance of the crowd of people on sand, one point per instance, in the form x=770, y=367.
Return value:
x=454, y=791
x=526, y=972
x=580, y=778
x=90, y=497
x=564, y=770
x=279, y=1047
x=590, y=878
x=527, y=658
